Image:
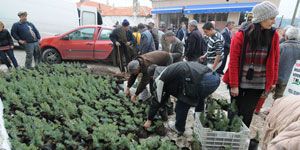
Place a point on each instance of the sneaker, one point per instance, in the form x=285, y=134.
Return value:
x=173, y=128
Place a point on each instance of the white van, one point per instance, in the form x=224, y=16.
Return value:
x=51, y=17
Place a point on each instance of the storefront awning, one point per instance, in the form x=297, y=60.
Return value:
x=219, y=8
x=167, y=10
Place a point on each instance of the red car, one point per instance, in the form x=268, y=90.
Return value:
x=84, y=43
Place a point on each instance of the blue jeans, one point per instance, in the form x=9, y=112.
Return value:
x=10, y=54
x=32, y=50
x=210, y=82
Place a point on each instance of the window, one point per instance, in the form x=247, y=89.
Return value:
x=105, y=34
x=82, y=34
x=203, y=18
x=211, y=17
x=88, y=18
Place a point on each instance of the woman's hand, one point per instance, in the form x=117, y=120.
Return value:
x=234, y=91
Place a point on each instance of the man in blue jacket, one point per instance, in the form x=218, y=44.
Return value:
x=28, y=36
x=226, y=33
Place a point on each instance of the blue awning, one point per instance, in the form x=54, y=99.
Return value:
x=219, y=8
x=167, y=10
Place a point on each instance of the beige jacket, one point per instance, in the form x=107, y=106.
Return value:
x=282, y=129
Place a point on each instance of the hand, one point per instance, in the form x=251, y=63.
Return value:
x=133, y=98
x=117, y=43
x=264, y=94
x=202, y=58
x=128, y=43
x=22, y=41
x=234, y=91
x=273, y=87
x=12, y=47
x=127, y=92
x=147, y=124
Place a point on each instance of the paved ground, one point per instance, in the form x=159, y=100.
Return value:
x=221, y=92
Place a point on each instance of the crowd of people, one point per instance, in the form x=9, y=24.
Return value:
x=189, y=64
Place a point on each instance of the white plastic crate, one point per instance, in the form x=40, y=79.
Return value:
x=215, y=140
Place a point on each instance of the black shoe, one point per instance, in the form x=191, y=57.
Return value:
x=163, y=114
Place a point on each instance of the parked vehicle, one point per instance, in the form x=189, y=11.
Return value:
x=51, y=17
x=89, y=42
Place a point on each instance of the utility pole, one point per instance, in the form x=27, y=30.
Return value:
x=135, y=9
x=295, y=12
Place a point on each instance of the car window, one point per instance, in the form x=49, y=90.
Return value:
x=105, y=34
x=82, y=34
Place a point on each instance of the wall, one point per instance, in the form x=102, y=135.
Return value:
x=234, y=17
x=111, y=20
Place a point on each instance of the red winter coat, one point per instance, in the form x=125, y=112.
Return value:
x=231, y=76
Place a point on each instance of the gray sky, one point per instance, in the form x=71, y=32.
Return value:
x=286, y=7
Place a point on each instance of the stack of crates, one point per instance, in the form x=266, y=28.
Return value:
x=215, y=140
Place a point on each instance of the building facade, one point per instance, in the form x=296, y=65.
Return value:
x=172, y=12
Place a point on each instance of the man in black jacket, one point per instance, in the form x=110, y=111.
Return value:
x=190, y=82
x=195, y=43
x=122, y=38
x=226, y=33
x=28, y=36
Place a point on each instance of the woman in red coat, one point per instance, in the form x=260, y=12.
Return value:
x=254, y=58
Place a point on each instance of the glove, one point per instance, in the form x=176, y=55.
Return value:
x=117, y=43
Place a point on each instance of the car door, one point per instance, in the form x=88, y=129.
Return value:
x=103, y=45
x=79, y=44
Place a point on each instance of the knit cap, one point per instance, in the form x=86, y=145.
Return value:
x=125, y=23
x=264, y=11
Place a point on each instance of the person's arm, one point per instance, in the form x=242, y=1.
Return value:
x=37, y=33
x=113, y=36
x=11, y=42
x=14, y=32
x=235, y=54
x=131, y=80
x=277, y=57
x=143, y=83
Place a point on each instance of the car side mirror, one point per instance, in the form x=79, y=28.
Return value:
x=65, y=38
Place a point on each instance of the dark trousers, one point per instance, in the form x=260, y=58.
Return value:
x=220, y=70
x=10, y=54
x=246, y=102
x=155, y=105
x=122, y=56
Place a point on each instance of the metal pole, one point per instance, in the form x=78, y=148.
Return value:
x=295, y=12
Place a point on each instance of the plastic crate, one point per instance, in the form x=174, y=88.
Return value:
x=215, y=140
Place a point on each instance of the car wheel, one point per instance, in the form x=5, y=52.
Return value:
x=51, y=56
